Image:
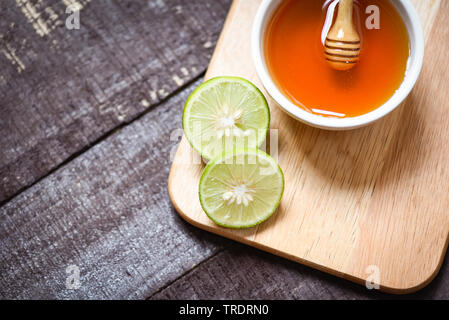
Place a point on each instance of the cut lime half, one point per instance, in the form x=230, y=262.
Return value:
x=225, y=113
x=241, y=189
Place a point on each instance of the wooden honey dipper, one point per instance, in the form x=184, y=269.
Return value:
x=342, y=45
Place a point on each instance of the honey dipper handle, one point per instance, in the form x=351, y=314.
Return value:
x=345, y=8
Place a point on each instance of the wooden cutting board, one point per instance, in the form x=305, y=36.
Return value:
x=371, y=203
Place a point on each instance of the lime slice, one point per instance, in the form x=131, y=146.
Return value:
x=225, y=113
x=241, y=189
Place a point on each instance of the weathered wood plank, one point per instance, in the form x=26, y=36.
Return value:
x=241, y=272
x=108, y=212
x=61, y=90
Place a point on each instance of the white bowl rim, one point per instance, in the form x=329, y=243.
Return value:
x=416, y=56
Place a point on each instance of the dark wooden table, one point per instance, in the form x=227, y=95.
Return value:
x=89, y=119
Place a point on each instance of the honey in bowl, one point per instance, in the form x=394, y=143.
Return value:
x=295, y=58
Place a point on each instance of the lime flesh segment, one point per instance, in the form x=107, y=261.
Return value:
x=225, y=113
x=241, y=189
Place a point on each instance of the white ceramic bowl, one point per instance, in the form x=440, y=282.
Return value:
x=414, y=65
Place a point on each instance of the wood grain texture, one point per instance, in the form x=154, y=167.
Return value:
x=375, y=196
x=62, y=90
x=239, y=272
x=107, y=212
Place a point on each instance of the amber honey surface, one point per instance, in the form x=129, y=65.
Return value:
x=295, y=58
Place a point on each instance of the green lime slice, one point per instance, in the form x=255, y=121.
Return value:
x=223, y=114
x=241, y=189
